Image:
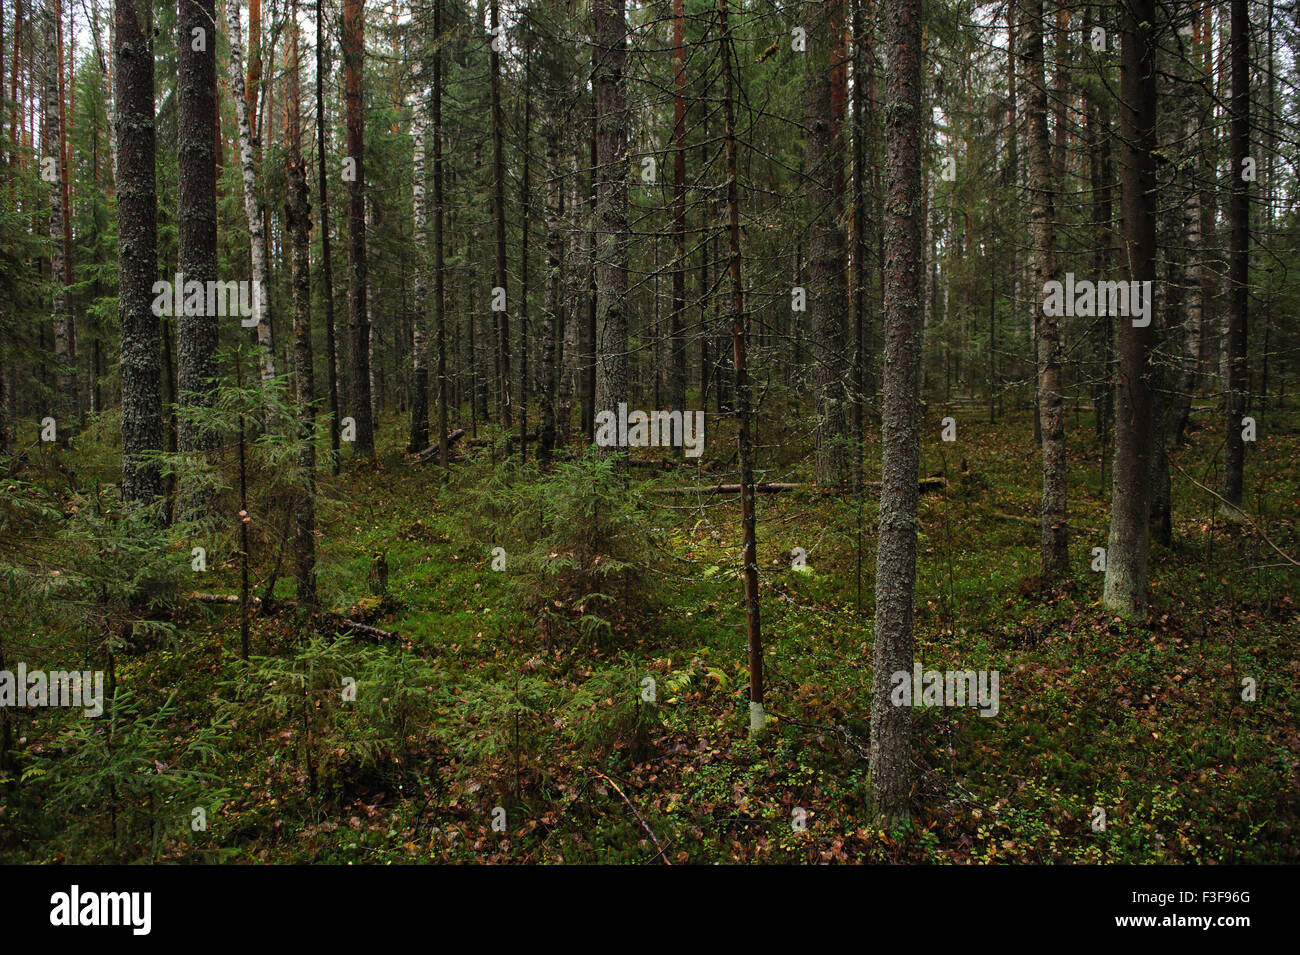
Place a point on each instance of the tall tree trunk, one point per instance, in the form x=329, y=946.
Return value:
x=589, y=331
x=504, y=415
x=1013, y=172
x=573, y=313
x=1098, y=131
x=65, y=186
x=297, y=217
x=706, y=365
x=891, y=758
x=525, y=219
x=1190, y=207
x=612, y=242
x=327, y=269
x=1061, y=48
x=1167, y=322
x=1234, y=387
x=419, y=439
x=677, y=326
x=1271, y=154
x=828, y=296
x=552, y=315
x=65, y=380
x=863, y=123
x=748, y=517
x=1128, y=541
x=253, y=212
x=137, y=249
x=1212, y=258
x=438, y=263
x=252, y=87
x=15, y=123
x=196, y=190
x=1054, y=545
x=359, y=397
x=1177, y=185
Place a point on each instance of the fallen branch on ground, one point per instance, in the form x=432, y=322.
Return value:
x=1032, y=522
x=1242, y=511
x=433, y=449
x=639, y=819
x=735, y=489
x=509, y=439
x=922, y=486
x=842, y=730
x=363, y=629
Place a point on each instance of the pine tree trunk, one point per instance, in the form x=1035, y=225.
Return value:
x=15, y=125
x=612, y=241
x=253, y=86
x=677, y=327
x=707, y=365
x=589, y=330
x=1062, y=50
x=1236, y=381
x=504, y=415
x=438, y=216
x=827, y=296
x=1189, y=371
x=525, y=220
x=137, y=249
x=1098, y=133
x=1214, y=265
x=863, y=385
x=196, y=190
x=891, y=758
x=1042, y=268
x=359, y=397
x=65, y=186
x=297, y=217
x=575, y=307
x=327, y=271
x=6, y=417
x=65, y=380
x=748, y=516
x=1128, y=540
x=1176, y=181
x=554, y=309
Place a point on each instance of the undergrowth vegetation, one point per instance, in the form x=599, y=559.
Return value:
x=588, y=693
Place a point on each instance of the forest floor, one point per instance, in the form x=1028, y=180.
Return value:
x=520, y=697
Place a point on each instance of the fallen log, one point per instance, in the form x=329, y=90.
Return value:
x=220, y=598
x=510, y=440
x=735, y=489
x=363, y=629
x=432, y=450
x=922, y=486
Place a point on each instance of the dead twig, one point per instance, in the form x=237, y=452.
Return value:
x=639, y=818
x=1242, y=511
